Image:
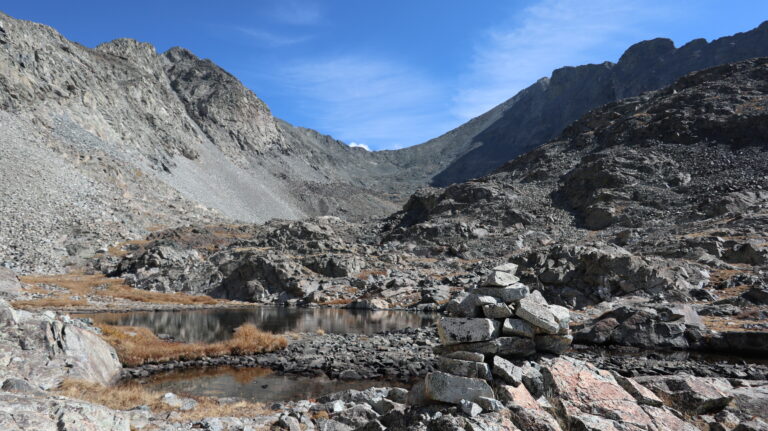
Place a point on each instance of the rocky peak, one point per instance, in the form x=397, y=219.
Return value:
x=230, y=115
x=128, y=48
x=647, y=50
x=177, y=54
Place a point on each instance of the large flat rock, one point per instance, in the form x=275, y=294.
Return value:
x=25, y=413
x=463, y=368
x=509, y=294
x=518, y=327
x=538, y=315
x=44, y=349
x=500, y=279
x=586, y=395
x=515, y=347
x=455, y=330
x=690, y=394
x=439, y=386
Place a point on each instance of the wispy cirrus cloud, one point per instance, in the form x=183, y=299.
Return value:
x=297, y=12
x=543, y=37
x=272, y=39
x=358, y=98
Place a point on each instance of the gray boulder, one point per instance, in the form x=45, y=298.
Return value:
x=518, y=327
x=453, y=389
x=21, y=412
x=469, y=408
x=538, y=315
x=511, y=293
x=464, y=368
x=466, y=356
x=497, y=311
x=45, y=349
x=518, y=347
x=507, y=371
x=463, y=330
x=500, y=279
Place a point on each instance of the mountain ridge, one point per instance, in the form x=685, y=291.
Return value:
x=171, y=139
x=648, y=65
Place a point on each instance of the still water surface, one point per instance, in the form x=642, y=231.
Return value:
x=217, y=324
x=253, y=384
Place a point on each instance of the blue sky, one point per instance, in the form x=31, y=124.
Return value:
x=389, y=74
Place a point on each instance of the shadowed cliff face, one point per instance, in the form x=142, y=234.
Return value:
x=543, y=110
x=684, y=154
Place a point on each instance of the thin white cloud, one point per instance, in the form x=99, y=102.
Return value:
x=356, y=145
x=358, y=98
x=270, y=39
x=297, y=12
x=545, y=36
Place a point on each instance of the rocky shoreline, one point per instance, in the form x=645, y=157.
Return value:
x=396, y=355
x=659, y=390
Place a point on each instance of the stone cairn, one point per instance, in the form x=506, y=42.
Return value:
x=498, y=321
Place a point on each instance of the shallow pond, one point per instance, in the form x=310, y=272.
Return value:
x=217, y=324
x=252, y=384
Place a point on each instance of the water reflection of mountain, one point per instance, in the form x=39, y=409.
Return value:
x=258, y=385
x=215, y=325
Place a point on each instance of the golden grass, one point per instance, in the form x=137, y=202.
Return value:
x=731, y=324
x=84, y=285
x=363, y=275
x=51, y=302
x=126, y=397
x=136, y=346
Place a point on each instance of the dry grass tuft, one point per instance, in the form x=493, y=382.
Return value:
x=96, y=285
x=363, y=275
x=137, y=346
x=126, y=397
x=59, y=301
x=732, y=323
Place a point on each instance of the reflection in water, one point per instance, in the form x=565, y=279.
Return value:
x=252, y=384
x=218, y=324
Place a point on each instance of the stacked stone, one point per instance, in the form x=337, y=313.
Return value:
x=499, y=320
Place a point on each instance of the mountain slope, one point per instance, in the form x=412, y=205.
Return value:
x=540, y=112
x=165, y=139
x=664, y=192
x=156, y=139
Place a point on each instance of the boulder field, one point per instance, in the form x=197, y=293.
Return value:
x=462, y=388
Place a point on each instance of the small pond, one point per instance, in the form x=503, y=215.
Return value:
x=210, y=325
x=252, y=384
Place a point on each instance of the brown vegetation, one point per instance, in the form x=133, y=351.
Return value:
x=73, y=289
x=363, y=275
x=136, y=346
x=733, y=323
x=126, y=397
x=50, y=302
